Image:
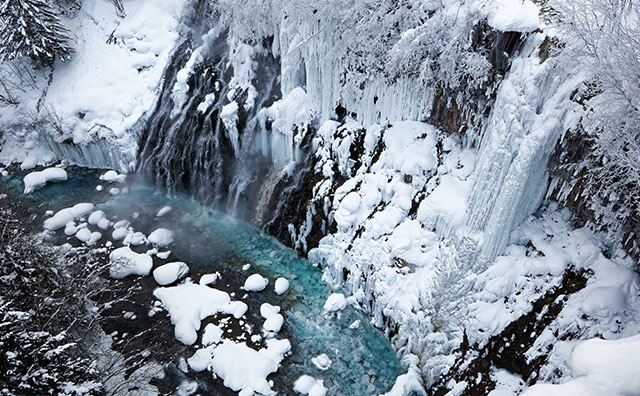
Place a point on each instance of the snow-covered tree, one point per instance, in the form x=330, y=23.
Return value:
x=603, y=37
x=31, y=28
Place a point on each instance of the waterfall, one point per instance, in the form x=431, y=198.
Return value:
x=202, y=137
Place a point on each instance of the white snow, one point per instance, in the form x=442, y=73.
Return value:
x=322, y=362
x=170, y=272
x=255, y=283
x=245, y=369
x=163, y=211
x=64, y=216
x=274, y=320
x=125, y=262
x=281, y=286
x=513, y=15
x=95, y=217
x=307, y=385
x=161, y=237
x=112, y=176
x=209, y=279
x=190, y=303
x=600, y=368
x=335, y=302
x=36, y=180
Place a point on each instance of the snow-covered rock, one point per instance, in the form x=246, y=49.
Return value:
x=335, y=302
x=281, y=286
x=36, y=180
x=255, y=283
x=190, y=303
x=170, y=272
x=322, y=362
x=64, y=216
x=125, y=262
x=161, y=237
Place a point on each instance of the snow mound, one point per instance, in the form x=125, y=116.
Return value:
x=245, y=369
x=335, y=302
x=255, y=283
x=600, y=368
x=322, y=362
x=36, y=180
x=307, y=385
x=513, y=15
x=190, y=303
x=274, y=320
x=113, y=176
x=161, y=237
x=281, y=286
x=126, y=262
x=163, y=211
x=67, y=215
x=168, y=273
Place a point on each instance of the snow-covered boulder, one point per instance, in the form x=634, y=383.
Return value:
x=36, y=180
x=281, y=286
x=170, y=272
x=161, y=237
x=335, y=302
x=126, y=262
x=255, y=283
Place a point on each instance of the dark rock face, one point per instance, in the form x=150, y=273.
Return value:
x=498, y=48
x=507, y=350
x=572, y=167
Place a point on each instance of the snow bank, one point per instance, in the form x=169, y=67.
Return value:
x=170, y=272
x=36, y=180
x=245, y=369
x=188, y=304
x=513, y=15
x=125, y=262
x=600, y=368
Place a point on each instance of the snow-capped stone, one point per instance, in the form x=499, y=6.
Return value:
x=83, y=235
x=113, y=176
x=209, y=279
x=95, y=217
x=64, y=216
x=335, y=302
x=119, y=233
x=170, y=272
x=190, y=303
x=322, y=362
x=163, y=211
x=36, y=180
x=163, y=255
x=281, y=286
x=161, y=237
x=307, y=385
x=126, y=262
x=255, y=283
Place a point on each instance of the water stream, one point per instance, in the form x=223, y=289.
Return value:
x=209, y=241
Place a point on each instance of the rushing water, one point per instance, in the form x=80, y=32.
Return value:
x=208, y=241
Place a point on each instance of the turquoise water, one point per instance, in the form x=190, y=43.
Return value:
x=363, y=362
